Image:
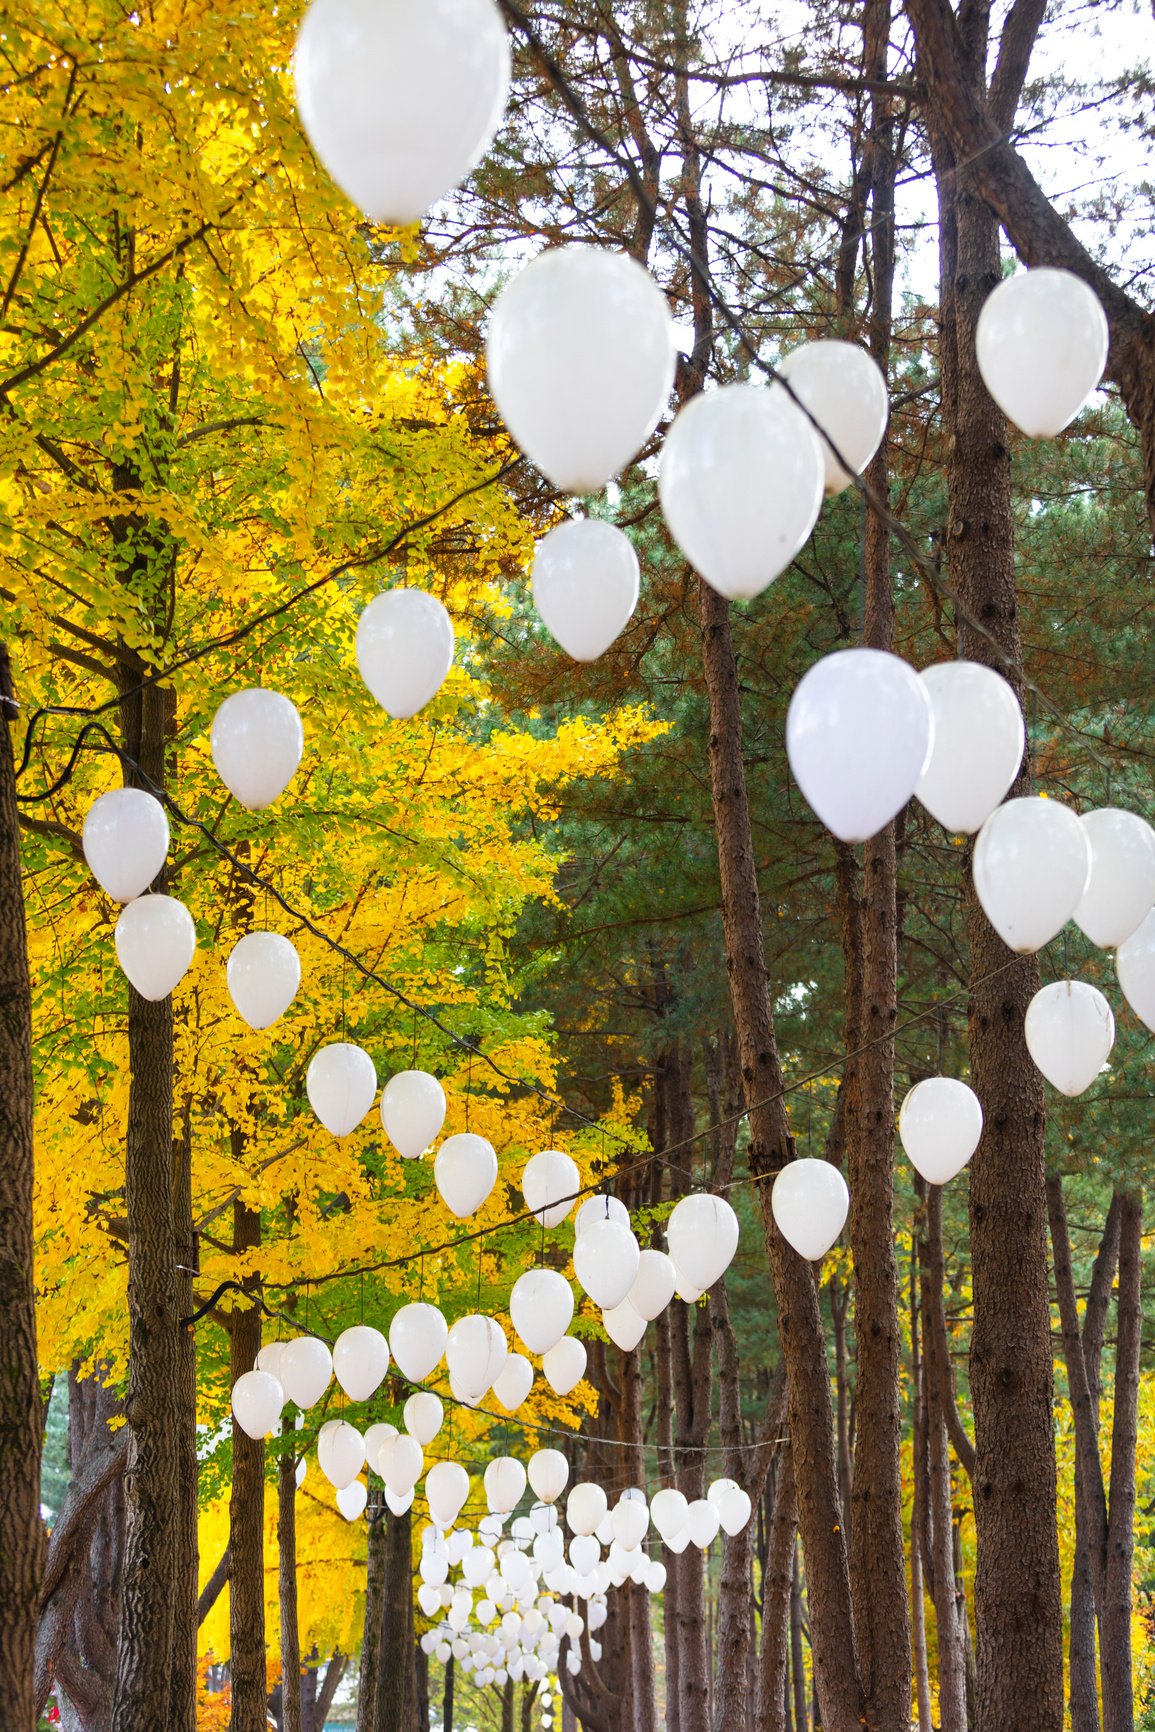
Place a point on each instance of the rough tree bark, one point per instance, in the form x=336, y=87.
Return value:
x=287, y=1585
x=777, y=1585
x=949, y=1608
x=1115, y=1627
x=182, y=1709
x=395, y=1691
x=246, y=1514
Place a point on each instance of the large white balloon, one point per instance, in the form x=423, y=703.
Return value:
x=565, y=1365
x=702, y=1523
x=585, y=585
x=340, y=1082
x=401, y=101
x=1121, y=889
x=605, y=1261
x=844, y=390
x=741, y=484
x=446, y=1488
x=404, y=649
x=584, y=1553
x=1069, y=1031
x=550, y=1184
x=465, y=1171
x=859, y=732
x=423, y=1416
x=513, y=1382
x=624, y=1326
x=581, y=360
x=417, y=1337
x=1031, y=864
x=631, y=1521
x=475, y=1351
x=360, y=1361
x=125, y=841
x=548, y=1474
x=668, y=1510
x=400, y=1462
x=504, y=1484
x=940, y=1123
x=654, y=1285
x=541, y=1308
x=977, y=745
x=306, y=1367
x=412, y=1111
x=256, y=742
x=263, y=974
x=257, y=1402
x=702, y=1234
x=351, y=1500
x=810, y=1204
x=734, y=1510
x=585, y=1507
x=269, y=1357
x=1041, y=343
x=1135, y=966
x=155, y=944
x=340, y=1453
x=599, y=1208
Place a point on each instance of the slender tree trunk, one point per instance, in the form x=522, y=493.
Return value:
x=797, y=1661
x=668, y=1474
x=21, y=1409
x=246, y=1517
x=287, y=1585
x=777, y=1585
x=1115, y=1622
x=949, y=1609
x=182, y=1711
x=394, y=1689
x=374, y=1616
x=447, y=1698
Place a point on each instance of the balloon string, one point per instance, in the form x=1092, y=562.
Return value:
x=480, y=1256
x=414, y=1037
x=421, y=1280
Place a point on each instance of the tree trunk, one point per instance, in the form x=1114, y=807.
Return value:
x=797, y=1662
x=21, y=1409
x=373, y=1621
x=1115, y=1621
x=183, y=1711
x=633, y=1469
x=394, y=1689
x=287, y=1586
x=246, y=1516
x=949, y=1609
x=777, y=1584
x=447, y=1698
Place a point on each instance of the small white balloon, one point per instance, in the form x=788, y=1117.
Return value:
x=340, y=1453
x=475, y=1351
x=429, y=1600
x=654, y=1285
x=668, y=1508
x=977, y=746
x=256, y=742
x=541, y=1308
x=859, y=733
x=465, y=1172
x=374, y=1437
x=352, y=1499
x=702, y=1234
x=504, y=1484
x=585, y=585
x=269, y=1357
x=584, y=1553
x=741, y=485
x=734, y=1510
x=939, y=1124
x=1030, y=868
x=423, y=1415
x=155, y=944
x=599, y=1208
x=399, y=101
x=340, y=1082
x=845, y=391
x=585, y=1507
x=263, y=974
x=631, y=1521
x=549, y=1184
x=360, y=1361
x=400, y=1462
x=581, y=362
x=702, y=1523
x=1069, y=1031
x=514, y=1382
x=412, y=1111
x=810, y=1204
x=125, y=841
x=446, y=1489
x=306, y=1368
x=548, y=1474
x=605, y=1260
x=624, y=1326
x=257, y=1402
x=1135, y=966
x=417, y=1337
x=565, y=1365
x=655, y=1580
x=1041, y=344
x=1121, y=889
x=404, y=650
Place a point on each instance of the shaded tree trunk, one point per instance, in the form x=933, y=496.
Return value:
x=949, y=1608
x=1115, y=1620
x=395, y=1693
x=246, y=1516
x=287, y=1585
x=777, y=1586
x=182, y=1710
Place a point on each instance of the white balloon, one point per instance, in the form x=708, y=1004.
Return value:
x=541, y=1308
x=351, y=1500
x=585, y=1507
x=654, y=1285
x=263, y=974
x=702, y=1234
x=599, y=1208
x=844, y=389
x=417, y=1337
x=585, y=585
x=719, y=1490
x=734, y=1510
x=429, y=1600
x=475, y=1351
x=702, y=1523
x=412, y=1111
x=741, y=483
x=306, y=1367
x=810, y=1204
x=549, y=1184
x=584, y=1553
x=939, y=1124
x=399, y=1502
x=423, y=1416
x=548, y=1474
x=1135, y=966
x=1069, y=1031
x=360, y=1361
x=400, y=101
x=446, y=1488
x=565, y=1365
x=631, y=1523
x=668, y=1509
x=1041, y=344
x=655, y=1580
x=404, y=650
x=605, y=1260
x=504, y=1484
x=478, y=1563
x=1121, y=889
x=256, y=742
x=687, y=1292
x=269, y=1358
x=514, y=1382
x=624, y=1326
x=581, y=359
x=465, y=1172
x=340, y=1082
x=859, y=733
x=125, y=842
x=340, y=1453
x=977, y=746
x=1031, y=864
x=400, y=1462
x=257, y=1402
x=374, y=1437
x=155, y=944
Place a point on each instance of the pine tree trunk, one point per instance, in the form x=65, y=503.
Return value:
x=246, y=1517
x=1115, y=1623
x=797, y=1661
x=949, y=1609
x=183, y=1712
x=632, y=1458
x=287, y=1585
x=374, y=1594
x=394, y=1690
x=447, y=1698
x=777, y=1584
x=21, y=1409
